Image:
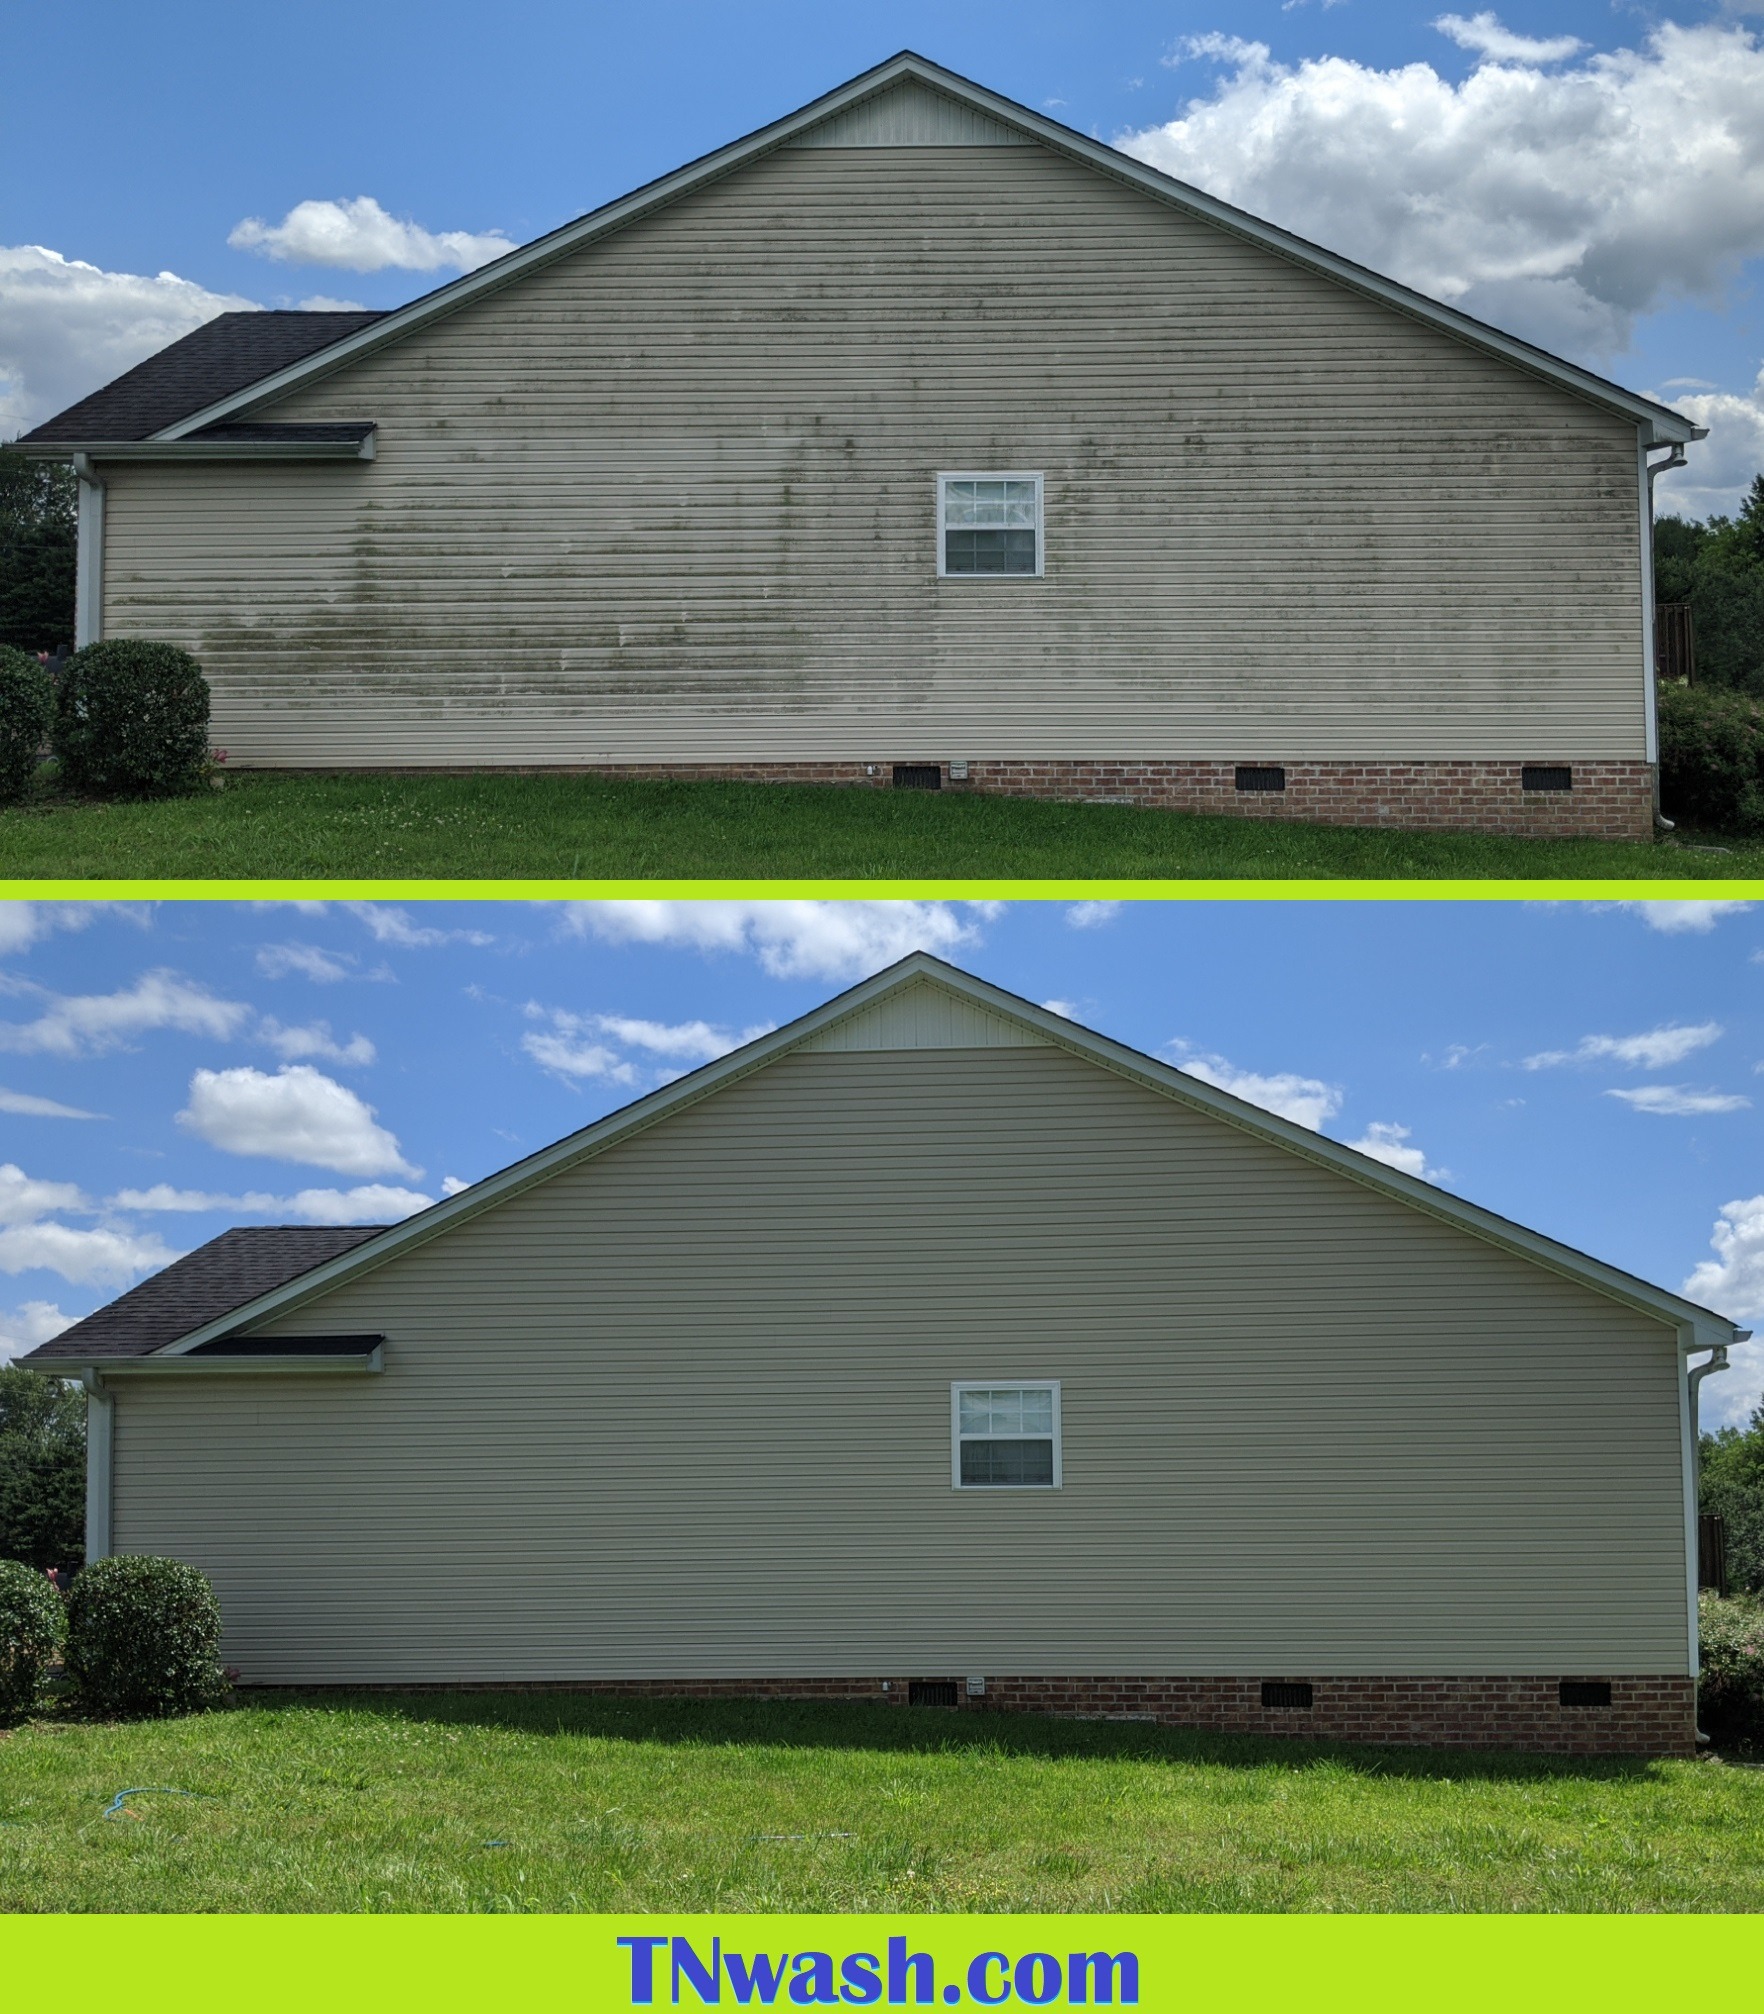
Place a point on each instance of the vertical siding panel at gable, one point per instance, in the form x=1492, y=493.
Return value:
x=685, y=1410
x=669, y=499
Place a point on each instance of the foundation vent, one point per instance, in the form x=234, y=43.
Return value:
x=1546, y=776
x=917, y=776
x=1585, y=1692
x=931, y=1692
x=1286, y=1692
x=1260, y=776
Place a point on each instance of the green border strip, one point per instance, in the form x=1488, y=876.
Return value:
x=926, y=889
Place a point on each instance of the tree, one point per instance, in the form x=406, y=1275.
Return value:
x=38, y=544
x=1732, y=1488
x=1718, y=567
x=42, y=1470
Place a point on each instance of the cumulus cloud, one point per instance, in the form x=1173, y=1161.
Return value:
x=696, y=1041
x=357, y=236
x=324, y=968
x=67, y=327
x=88, y=1024
x=1388, y=1143
x=566, y=1048
x=1658, y=1049
x=23, y=924
x=29, y=1106
x=299, y=1114
x=371, y=1203
x=23, y=1198
x=1679, y=1101
x=1732, y=1283
x=1306, y=1101
x=295, y=1045
x=394, y=926
x=1680, y=919
x=1562, y=204
x=87, y=1258
x=1484, y=34
x=1067, y=1010
x=1720, y=469
x=791, y=940
x=27, y=1326
x=1092, y=915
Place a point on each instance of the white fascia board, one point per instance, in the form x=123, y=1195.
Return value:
x=158, y=450
x=1709, y=1330
x=1667, y=425
x=357, y=1365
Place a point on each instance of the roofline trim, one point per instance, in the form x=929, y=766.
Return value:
x=158, y=450
x=343, y=1364
x=1667, y=425
x=1684, y=1316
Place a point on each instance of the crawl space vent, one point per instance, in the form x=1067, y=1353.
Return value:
x=931, y=1692
x=1546, y=776
x=1260, y=776
x=1585, y=1692
x=1285, y=1692
x=918, y=776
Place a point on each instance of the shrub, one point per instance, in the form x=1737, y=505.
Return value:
x=27, y=706
x=1711, y=758
x=131, y=720
x=1730, y=1692
x=30, y=1635
x=142, y=1634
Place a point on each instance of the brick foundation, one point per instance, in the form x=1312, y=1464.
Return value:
x=1609, y=800
x=1647, y=1715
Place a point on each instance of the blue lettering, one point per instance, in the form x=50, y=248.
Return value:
x=919, y=1964
x=863, y=1979
x=757, y=1978
x=642, y=1968
x=813, y=1984
x=705, y=1981
x=977, y=1987
x=1081, y=1965
x=1037, y=1978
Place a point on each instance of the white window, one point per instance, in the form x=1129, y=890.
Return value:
x=1006, y=1436
x=988, y=523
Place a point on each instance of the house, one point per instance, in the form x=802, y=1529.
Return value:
x=934, y=1347
x=913, y=439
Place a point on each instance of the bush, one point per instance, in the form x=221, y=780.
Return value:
x=142, y=1634
x=1730, y=1692
x=1711, y=758
x=30, y=1635
x=131, y=720
x=27, y=706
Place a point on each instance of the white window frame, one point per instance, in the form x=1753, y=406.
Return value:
x=1034, y=476
x=956, y=1436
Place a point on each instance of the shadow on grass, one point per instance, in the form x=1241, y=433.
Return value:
x=907, y=1730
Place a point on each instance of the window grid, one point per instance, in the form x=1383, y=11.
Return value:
x=989, y=524
x=1005, y=1434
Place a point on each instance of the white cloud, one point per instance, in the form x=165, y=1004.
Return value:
x=23, y=924
x=1732, y=1283
x=23, y=1199
x=1679, y=919
x=358, y=236
x=1656, y=1050
x=1092, y=915
x=31, y=1107
x=1720, y=469
x=1679, y=1101
x=696, y=1040
x=791, y=940
x=1306, y=1101
x=372, y=1203
x=27, y=1326
x=295, y=1045
x=1067, y=1010
x=451, y=1185
x=1562, y=205
x=299, y=1114
x=328, y=304
x=563, y=1050
x=394, y=926
x=87, y=1024
x=1385, y=1142
x=277, y=961
x=88, y=1258
x=1485, y=35
x=67, y=327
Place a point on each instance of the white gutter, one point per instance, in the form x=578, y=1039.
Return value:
x=89, y=588
x=355, y=1364
x=100, y=1429
x=207, y=451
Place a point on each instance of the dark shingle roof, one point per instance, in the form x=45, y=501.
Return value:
x=212, y=1280
x=212, y=362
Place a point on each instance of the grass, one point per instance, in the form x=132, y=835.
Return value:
x=484, y=1801
x=268, y=825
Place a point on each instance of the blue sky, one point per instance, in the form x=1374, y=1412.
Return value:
x=1591, y=175
x=330, y=1062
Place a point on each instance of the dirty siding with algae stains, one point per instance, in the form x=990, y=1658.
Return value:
x=670, y=498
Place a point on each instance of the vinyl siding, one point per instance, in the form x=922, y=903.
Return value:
x=684, y=1409
x=670, y=498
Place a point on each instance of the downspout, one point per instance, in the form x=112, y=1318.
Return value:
x=100, y=1430
x=1675, y=459
x=1692, y=1478
x=89, y=593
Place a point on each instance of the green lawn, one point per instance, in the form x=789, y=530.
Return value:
x=268, y=826
x=485, y=1801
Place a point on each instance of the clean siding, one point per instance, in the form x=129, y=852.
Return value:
x=670, y=498
x=684, y=1410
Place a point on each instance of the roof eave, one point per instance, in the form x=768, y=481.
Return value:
x=160, y=450
x=1698, y=1328
x=1665, y=426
